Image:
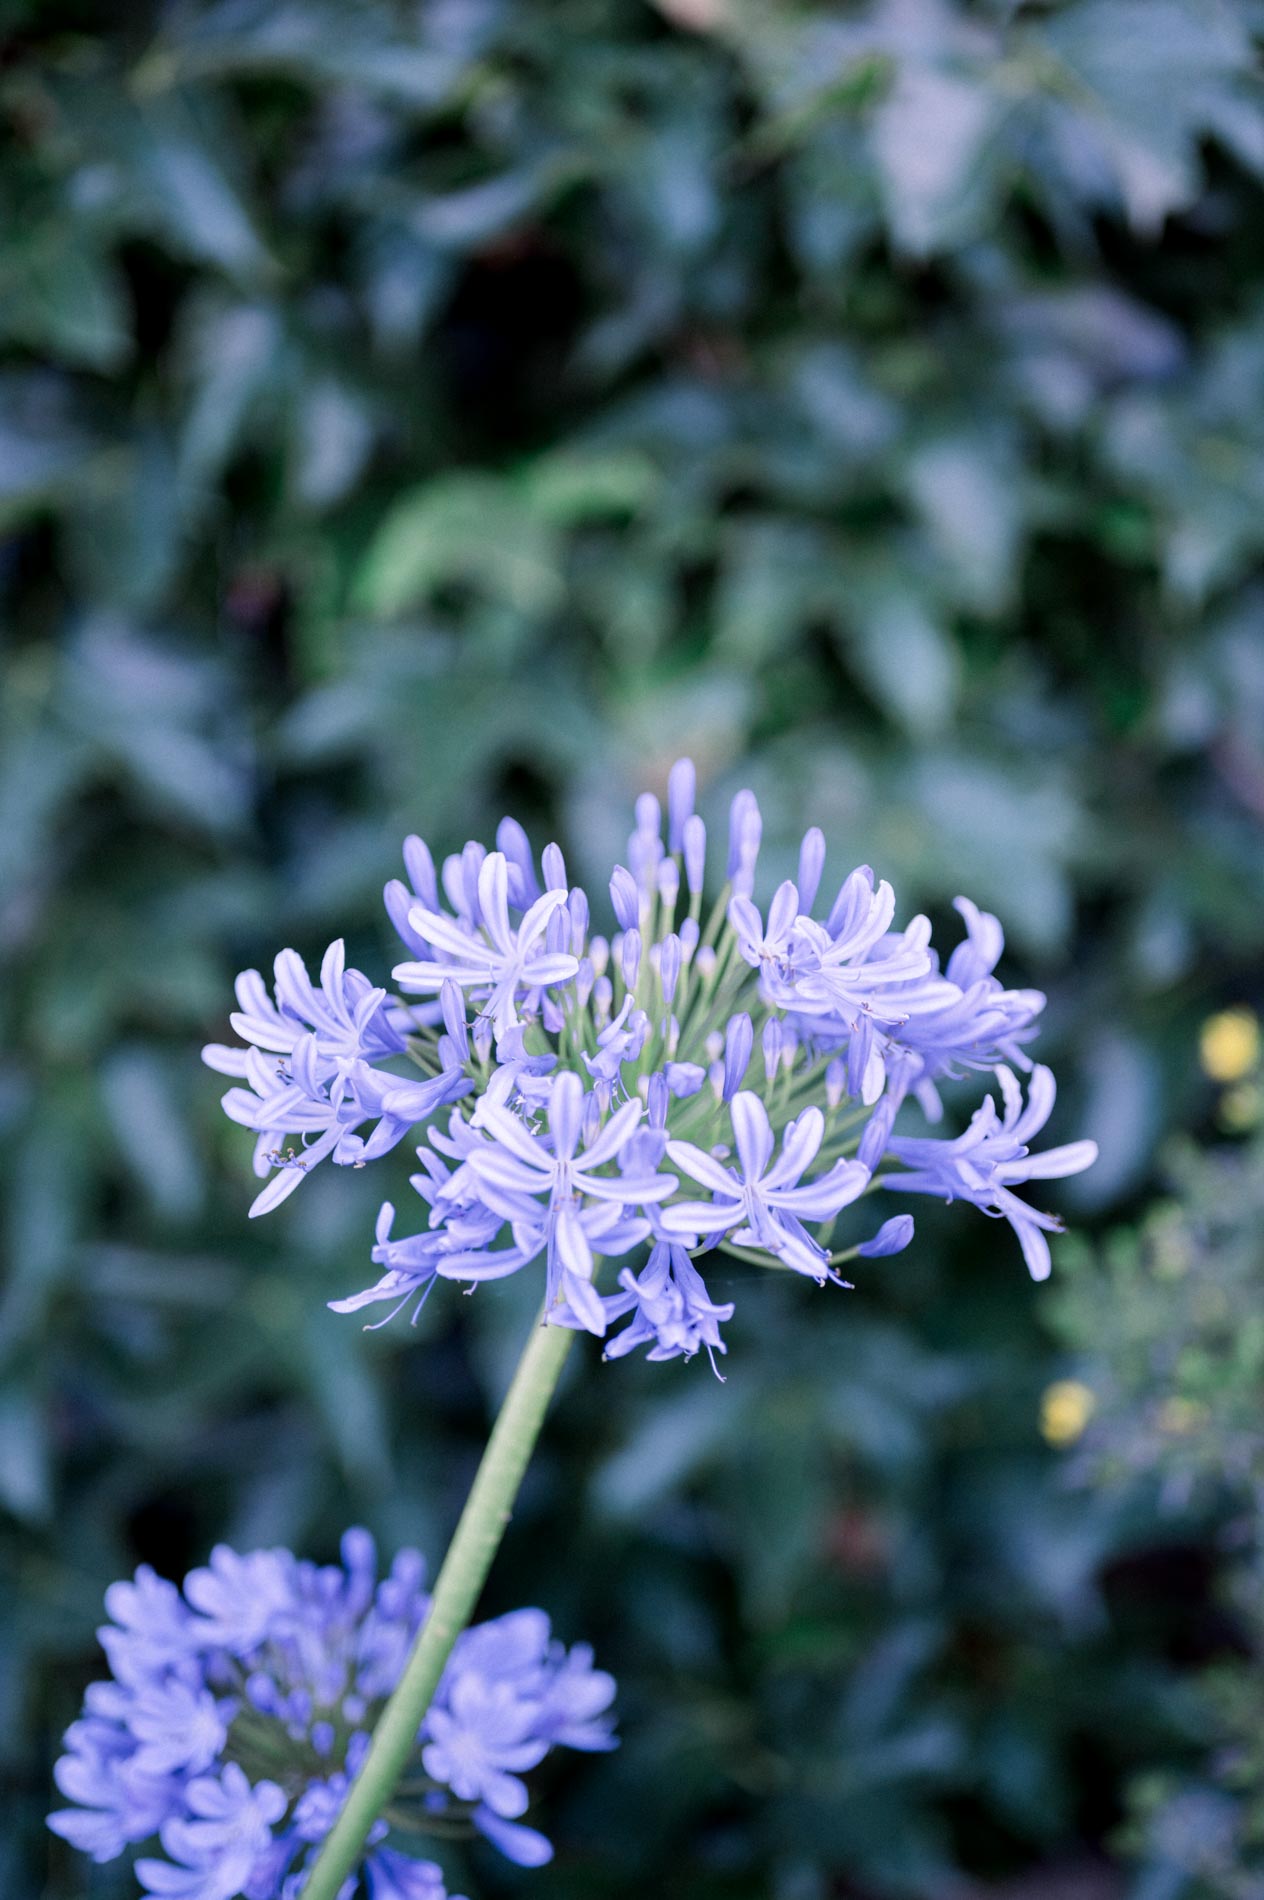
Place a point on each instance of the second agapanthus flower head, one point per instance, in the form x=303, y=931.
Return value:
x=240, y=1706
x=695, y=1080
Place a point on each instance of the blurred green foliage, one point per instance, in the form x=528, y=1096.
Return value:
x=1170, y=1342
x=414, y=411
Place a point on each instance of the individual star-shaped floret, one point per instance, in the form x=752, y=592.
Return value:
x=498, y=965
x=767, y=1202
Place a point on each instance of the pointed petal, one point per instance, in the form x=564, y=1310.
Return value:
x=506, y=1171
x=853, y=903
x=782, y=911
x=433, y=976
x=827, y=1195
x=293, y=985
x=447, y=935
x=799, y=1146
x=585, y=1302
x=1041, y=1090
x=1012, y=1095
x=225, y=1059
x=1035, y=1249
x=571, y=1242
x=566, y=1107
x=536, y=919
x=553, y=967
x=752, y=1132
x=497, y=1265
x=333, y=968
x=507, y=1203
x=392, y=1286
x=1072, y=1158
x=748, y=926
x=267, y=1033
x=701, y=1217
x=493, y=900
x=510, y=1133
x=610, y=1139
x=702, y=1167
x=634, y=1190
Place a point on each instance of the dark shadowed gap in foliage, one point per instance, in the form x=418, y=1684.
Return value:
x=927, y=286
x=804, y=678
x=504, y=338
x=283, y=126
x=524, y=791
x=695, y=587
x=27, y=25
x=440, y=1378
x=165, y=1531
x=1036, y=237
x=308, y=809
x=820, y=656
x=1207, y=260
x=1092, y=626
x=156, y=286
x=256, y=606
x=982, y=1843
x=1097, y=1770
x=34, y=592
x=1168, y=1594
x=1093, y=1775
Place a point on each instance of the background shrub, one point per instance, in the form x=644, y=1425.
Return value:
x=412, y=411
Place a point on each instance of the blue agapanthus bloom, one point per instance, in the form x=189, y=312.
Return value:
x=697, y=1080
x=239, y=1708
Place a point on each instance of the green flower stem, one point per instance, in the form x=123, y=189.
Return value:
x=483, y=1523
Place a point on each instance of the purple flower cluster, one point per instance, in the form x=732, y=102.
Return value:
x=239, y=1708
x=313, y=1070
x=602, y=1097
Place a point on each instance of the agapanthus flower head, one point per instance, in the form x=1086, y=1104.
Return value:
x=571, y=1089
x=240, y=1706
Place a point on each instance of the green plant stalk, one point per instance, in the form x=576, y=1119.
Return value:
x=483, y=1524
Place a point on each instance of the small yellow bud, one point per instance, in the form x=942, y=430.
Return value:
x=1229, y=1044
x=1066, y=1407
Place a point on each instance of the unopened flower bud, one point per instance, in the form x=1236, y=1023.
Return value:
x=681, y=788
